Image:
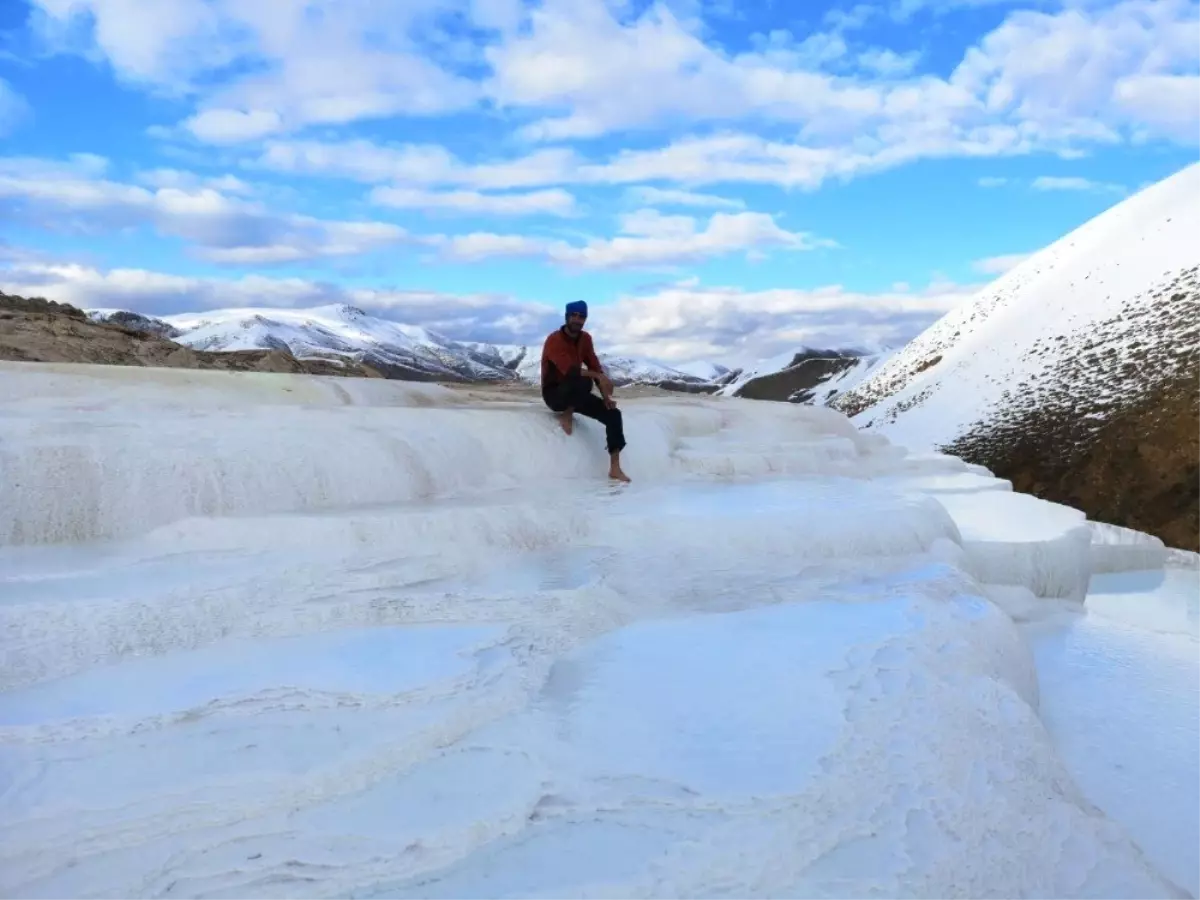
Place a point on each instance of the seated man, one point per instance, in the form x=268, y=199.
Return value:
x=567, y=384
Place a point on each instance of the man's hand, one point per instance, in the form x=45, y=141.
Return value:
x=606, y=388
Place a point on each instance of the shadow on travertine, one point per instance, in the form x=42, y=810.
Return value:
x=287, y=635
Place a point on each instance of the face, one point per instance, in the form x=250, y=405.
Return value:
x=575, y=323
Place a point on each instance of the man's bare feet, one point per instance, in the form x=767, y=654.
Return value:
x=616, y=474
x=567, y=421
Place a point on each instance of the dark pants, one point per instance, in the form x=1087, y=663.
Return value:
x=576, y=392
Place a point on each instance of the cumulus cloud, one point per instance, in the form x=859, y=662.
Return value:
x=687, y=321
x=723, y=157
x=416, y=164
x=679, y=323
x=296, y=64
x=581, y=58
x=648, y=239
x=221, y=220
x=1069, y=70
x=1075, y=183
x=184, y=180
x=1042, y=81
x=1053, y=79
x=674, y=197
x=548, y=202
x=1161, y=104
x=222, y=228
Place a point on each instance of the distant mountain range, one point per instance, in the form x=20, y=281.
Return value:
x=345, y=335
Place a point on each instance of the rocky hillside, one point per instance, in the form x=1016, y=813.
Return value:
x=1129, y=455
x=814, y=377
x=38, y=330
x=1077, y=374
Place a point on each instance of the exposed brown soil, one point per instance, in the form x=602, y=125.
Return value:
x=800, y=381
x=1115, y=429
x=36, y=330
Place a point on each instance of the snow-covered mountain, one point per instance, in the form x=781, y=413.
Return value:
x=341, y=333
x=1118, y=284
x=1075, y=374
x=812, y=376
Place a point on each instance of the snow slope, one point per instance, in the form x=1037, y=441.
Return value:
x=273, y=635
x=1093, y=317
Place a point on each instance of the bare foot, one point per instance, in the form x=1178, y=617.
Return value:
x=567, y=421
x=618, y=475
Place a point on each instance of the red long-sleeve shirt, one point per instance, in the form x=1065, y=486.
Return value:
x=563, y=355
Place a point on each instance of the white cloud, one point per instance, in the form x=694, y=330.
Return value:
x=718, y=158
x=889, y=62
x=233, y=126
x=998, y=265
x=585, y=69
x=13, y=108
x=221, y=228
x=679, y=322
x=687, y=321
x=675, y=197
x=178, y=178
x=1083, y=73
x=416, y=164
x=648, y=240
x=1080, y=69
x=577, y=56
x=1040, y=82
x=1162, y=104
x=300, y=64
x=1074, y=183
x=554, y=202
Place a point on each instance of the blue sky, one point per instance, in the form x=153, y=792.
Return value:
x=718, y=179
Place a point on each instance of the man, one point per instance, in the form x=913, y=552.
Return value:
x=567, y=384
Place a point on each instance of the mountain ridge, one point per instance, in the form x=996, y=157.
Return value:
x=339, y=333
x=33, y=329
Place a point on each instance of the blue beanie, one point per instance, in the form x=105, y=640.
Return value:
x=577, y=306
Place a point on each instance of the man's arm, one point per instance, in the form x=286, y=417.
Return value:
x=595, y=370
x=588, y=352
